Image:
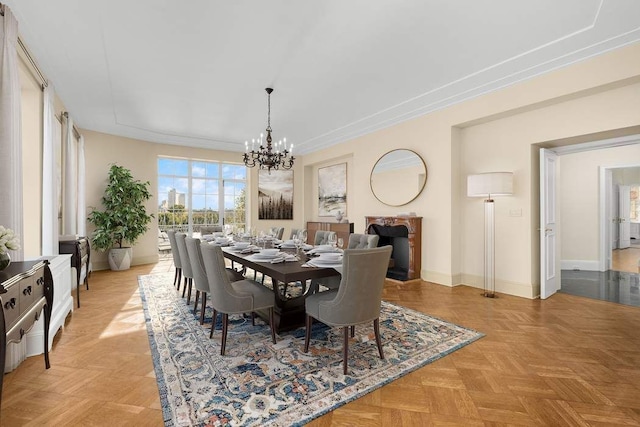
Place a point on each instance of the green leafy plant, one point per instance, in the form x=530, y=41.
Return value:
x=124, y=218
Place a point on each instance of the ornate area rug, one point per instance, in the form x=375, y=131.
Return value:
x=258, y=383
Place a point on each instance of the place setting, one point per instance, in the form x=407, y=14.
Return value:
x=243, y=247
x=325, y=259
x=272, y=255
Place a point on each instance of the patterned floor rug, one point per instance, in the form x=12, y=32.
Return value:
x=258, y=383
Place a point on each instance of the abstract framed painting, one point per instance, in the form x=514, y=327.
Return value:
x=275, y=194
x=332, y=190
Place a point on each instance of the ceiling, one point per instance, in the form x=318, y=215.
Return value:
x=193, y=72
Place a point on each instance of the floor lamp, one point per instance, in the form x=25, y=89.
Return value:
x=488, y=185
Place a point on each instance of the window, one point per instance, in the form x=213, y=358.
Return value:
x=635, y=203
x=193, y=193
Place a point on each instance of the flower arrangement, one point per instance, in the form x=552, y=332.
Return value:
x=8, y=240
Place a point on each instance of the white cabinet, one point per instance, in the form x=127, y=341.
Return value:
x=635, y=230
x=60, y=267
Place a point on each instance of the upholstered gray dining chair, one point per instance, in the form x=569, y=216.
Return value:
x=322, y=237
x=361, y=241
x=294, y=232
x=177, y=278
x=199, y=275
x=227, y=297
x=356, y=301
x=186, y=265
x=210, y=229
x=277, y=232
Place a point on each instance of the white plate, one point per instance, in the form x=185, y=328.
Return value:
x=323, y=248
x=323, y=263
x=265, y=256
x=330, y=257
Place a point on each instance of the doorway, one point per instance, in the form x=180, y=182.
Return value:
x=586, y=228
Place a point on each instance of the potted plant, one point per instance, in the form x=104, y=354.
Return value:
x=124, y=218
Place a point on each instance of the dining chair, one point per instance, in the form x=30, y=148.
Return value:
x=294, y=233
x=322, y=237
x=361, y=241
x=177, y=278
x=357, y=300
x=199, y=275
x=210, y=229
x=227, y=297
x=186, y=265
x=277, y=232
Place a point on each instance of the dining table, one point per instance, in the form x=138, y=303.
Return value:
x=289, y=312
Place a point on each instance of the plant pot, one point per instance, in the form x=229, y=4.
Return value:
x=5, y=260
x=120, y=258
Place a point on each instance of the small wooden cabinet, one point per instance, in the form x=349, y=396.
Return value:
x=78, y=247
x=26, y=289
x=342, y=229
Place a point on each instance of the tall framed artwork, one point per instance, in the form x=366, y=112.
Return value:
x=275, y=194
x=332, y=190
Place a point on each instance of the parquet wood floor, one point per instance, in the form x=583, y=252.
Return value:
x=626, y=259
x=566, y=361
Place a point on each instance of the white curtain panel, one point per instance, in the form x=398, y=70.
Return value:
x=70, y=200
x=49, y=175
x=82, y=208
x=10, y=133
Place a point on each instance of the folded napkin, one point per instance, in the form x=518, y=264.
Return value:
x=250, y=249
x=284, y=258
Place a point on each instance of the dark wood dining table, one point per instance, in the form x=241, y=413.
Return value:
x=289, y=311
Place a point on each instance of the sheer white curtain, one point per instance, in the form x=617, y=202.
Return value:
x=10, y=134
x=70, y=200
x=49, y=175
x=82, y=204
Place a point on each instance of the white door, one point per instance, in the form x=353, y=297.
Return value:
x=623, y=216
x=549, y=278
x=611, y=215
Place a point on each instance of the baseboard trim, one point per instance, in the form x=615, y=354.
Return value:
x=104, y=265
x=579, y=264
x=524, y=290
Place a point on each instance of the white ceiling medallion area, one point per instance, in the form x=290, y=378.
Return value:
x=192, y=73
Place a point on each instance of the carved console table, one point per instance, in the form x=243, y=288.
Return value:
x=78, y=247
x=26, y=289
x=404, y=233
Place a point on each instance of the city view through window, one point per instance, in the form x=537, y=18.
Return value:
x=193, y=193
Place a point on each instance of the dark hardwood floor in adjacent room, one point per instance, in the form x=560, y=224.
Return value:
x=564, y=361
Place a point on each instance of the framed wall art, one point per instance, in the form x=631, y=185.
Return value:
x=332, y=190
x=275, y=194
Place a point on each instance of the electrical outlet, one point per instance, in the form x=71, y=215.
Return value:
x=515, y=212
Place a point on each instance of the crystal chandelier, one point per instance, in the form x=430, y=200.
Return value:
x=273, y=156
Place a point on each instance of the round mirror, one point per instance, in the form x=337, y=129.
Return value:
x=398, y=177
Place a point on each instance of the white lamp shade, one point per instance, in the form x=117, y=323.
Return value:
x=490, y=184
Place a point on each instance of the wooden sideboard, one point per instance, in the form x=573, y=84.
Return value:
x=80, y=251
x=26, y=289
x=342, y=229
x=386, y=228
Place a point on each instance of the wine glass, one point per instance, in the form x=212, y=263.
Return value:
x=331, y=239
x=302, y=235
x=340, y=242
x=296, y=242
